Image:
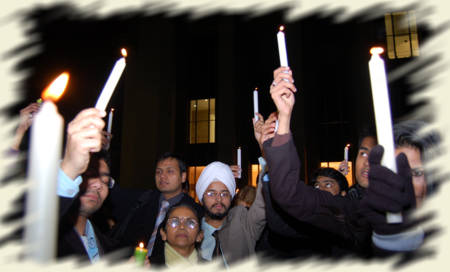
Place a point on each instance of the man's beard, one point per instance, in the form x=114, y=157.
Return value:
x=216, y=216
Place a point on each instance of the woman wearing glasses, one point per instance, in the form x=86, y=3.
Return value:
x=181, y=234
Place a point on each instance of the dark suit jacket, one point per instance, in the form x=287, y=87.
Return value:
x=69, y=243
x=138, y=225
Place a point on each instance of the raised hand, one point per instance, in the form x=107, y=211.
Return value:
x=84, y=135
x=282, y=91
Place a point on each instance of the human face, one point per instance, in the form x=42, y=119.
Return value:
x=168, y=177
x=327, y=184
x=182, y=236
x=95, y=189
x=362, y=161
x=418, y=178
x=217, y=200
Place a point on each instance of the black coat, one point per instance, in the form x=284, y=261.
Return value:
x=69, y=243
x=138, y=225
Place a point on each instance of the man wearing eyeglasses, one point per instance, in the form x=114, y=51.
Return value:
x=82, y=195
x=229, y=234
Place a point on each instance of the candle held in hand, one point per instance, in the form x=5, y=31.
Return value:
x=239, y=161
x=140, y=253
x=383, y=120
x=282, y=47
x=346, y=152
x=255, y=103
x=111, y=83
x=110, y=119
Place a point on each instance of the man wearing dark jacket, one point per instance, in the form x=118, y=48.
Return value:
x=141, y=223
x=82, y=196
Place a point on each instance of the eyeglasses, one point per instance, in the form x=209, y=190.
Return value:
x=175, y=222
x=214, y=194
x=105, y=178
x=417, y=172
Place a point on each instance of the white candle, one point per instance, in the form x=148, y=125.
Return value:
x=276, y=126
x=239, y=161
x=282, y=47
x=110, y=118
x=346, y=152
x=381, y=106
x=255, y=103
x=111, y=83
x=44, y=159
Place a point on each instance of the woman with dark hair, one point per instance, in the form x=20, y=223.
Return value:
x=181, y=234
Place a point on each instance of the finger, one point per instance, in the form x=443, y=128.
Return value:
x=87, y=122
x=283, y=84
x=282, y=69
x=375, y=155
x=89, y=112
x=284, y=77
x=260, y=117
x=404, y=169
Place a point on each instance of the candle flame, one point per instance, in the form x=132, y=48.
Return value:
x=124, y=52
x=376, y=50
x=56, y=88
x=281, y=28
x=141, y=245
x=112, y=109
x=348, y=145
x=256, y=88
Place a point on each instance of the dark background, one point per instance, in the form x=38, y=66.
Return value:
x=175, y=59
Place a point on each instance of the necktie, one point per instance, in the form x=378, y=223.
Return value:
x=217, y=251
x=159, y=219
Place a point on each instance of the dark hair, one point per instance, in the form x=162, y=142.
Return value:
x=366, y=131
x=169, y=155
x=102, y=155
x=331, y=173
x=406, y=134
x=181, y=204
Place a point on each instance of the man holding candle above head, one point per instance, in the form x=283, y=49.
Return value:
x=83, y=184
x=348, y=219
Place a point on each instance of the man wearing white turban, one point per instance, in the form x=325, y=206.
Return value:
x=236, y=229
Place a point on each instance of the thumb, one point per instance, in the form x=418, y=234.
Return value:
x=376, y=154
x=403, y=168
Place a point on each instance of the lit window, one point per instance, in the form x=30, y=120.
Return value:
x=255, y=169
x=335, y=165
x=202, y=121
x=193, y=175
x=401, y=34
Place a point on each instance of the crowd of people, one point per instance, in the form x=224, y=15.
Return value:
x=283, y=218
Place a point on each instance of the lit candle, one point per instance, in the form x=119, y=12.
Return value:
x=110, y=118
x=255, y=103
x=239, y=161
x=282, y=47
x=346, y=152
x=112, y=81
x=383, y=120
x=140, y=253
x=44, y=159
